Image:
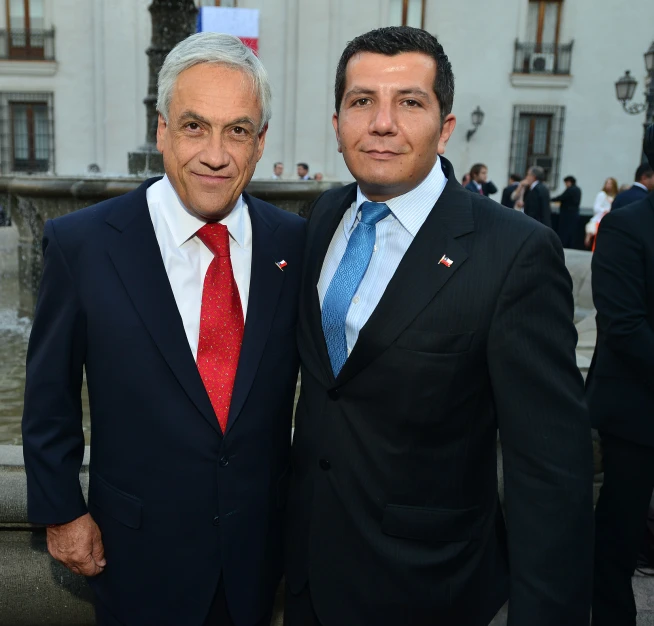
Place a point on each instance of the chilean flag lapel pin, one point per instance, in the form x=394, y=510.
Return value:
x=281, y=264
x=446, y=261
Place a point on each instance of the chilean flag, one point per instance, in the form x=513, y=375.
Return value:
x=243, y=23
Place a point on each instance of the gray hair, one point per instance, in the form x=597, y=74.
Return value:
x=537, y=172
x=219, y=49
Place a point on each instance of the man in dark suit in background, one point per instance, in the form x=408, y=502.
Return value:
x=479, y=182
x=644, y=183
x=620, y=391
x=570, y=200
x=418, y=339
x=179, y=301
x=514, y=182
x=537, y=196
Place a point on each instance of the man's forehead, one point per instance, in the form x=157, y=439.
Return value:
x=406, y=69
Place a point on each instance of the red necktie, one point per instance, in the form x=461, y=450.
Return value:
x=221, y=323
x=481, y=191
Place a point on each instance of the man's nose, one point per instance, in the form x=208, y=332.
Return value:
x=383, y=121
x=214, y=154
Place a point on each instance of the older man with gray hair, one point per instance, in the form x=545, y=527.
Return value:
x=536, y=196
x=179, y=301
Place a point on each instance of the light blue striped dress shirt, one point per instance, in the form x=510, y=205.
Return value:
x=394, y=236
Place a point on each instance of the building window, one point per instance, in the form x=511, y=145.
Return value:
x=26, y=122
x=26, y=37
x=544, y=21
x=536, y=139
x=408, y=13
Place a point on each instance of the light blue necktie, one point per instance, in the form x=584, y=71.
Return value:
x=347, y=279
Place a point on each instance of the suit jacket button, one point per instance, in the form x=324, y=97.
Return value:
x=216, y=521
x=325, y=464
x=333, y=394
x=224, y=462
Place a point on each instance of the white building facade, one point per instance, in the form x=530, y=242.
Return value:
x=73, y=75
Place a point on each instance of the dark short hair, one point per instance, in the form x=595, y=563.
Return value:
x=644, y=170
x=304, y=165
x=570, y=179
x=276, y=163
x=393, y=40
x=515, y=177
x=476, y=168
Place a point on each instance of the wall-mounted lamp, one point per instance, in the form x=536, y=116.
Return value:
x=477, y=119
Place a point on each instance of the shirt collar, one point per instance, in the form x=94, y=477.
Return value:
x=477, y=184
x=183, y=224
x=412, y=208
x=534, y=184
x=640, y=185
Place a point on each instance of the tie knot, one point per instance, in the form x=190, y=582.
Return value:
x=372, y=212
x=216, y=238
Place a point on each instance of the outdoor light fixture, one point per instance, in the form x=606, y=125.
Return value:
x=625, y=88
x=624, y=91
x=477, y=119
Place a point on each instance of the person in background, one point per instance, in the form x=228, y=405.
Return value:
x=569, y=201
x=319, y=176
x=507, y=200
x=479, y=182
x=620, y=395
x=278, y=170
x=643, y=184
x=601, y=207
x=536, y=196
x=465, y=179
x=303, y=171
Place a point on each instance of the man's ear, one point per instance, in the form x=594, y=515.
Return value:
x=338, y=135
x=449, y=124
x=162, y=129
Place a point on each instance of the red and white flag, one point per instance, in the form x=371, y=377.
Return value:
x=242, y=23
x=446, y=261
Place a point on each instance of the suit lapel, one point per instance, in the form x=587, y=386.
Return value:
x=328, y=222
x=418, y=278
x=266, y=281
x=137, y=258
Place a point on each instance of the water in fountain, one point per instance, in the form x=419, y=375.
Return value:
x=14, y=335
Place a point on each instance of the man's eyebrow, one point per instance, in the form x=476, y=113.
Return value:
x=241, y=121
x=192, y=115
x=196, y=117
x=409, y=91
x=359, y=91
x=414, y=91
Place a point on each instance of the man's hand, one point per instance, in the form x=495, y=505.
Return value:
x=78, y=545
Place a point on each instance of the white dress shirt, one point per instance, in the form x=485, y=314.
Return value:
x=187, y=259
x=394, y=235
x=641, y=186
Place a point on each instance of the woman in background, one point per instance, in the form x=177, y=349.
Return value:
x=601, y=207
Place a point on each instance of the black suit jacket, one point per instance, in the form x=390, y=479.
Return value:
x=177, y=502
x=488, y=188
x=620, y=383
x=393, y=508
x=628, y=196
x=506, y=195
x=570, y=199
x=537, y=204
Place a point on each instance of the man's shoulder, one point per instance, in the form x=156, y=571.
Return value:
x=632, y=214
x=84, y=224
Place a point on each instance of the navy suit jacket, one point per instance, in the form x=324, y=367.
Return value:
x=177, y=502
x=488, y=187
x=620, y=383
x=628, y=196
